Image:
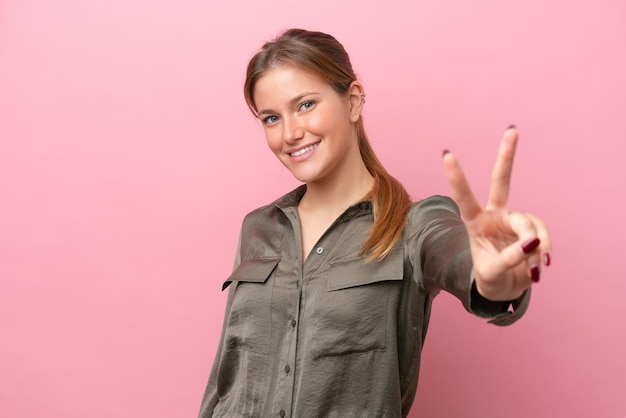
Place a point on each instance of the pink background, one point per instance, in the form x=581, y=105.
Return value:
x=128, y=159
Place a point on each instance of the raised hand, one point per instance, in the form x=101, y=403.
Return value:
x=508, y=248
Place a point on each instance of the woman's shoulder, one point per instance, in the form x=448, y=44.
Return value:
x=431, y=211
x=431, y=214
x=435, y=202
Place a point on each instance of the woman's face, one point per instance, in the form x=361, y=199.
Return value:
x=308, y=125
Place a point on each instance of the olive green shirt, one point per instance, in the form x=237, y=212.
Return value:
x=336, y=336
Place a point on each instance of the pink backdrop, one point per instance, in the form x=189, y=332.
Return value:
x=128, y=159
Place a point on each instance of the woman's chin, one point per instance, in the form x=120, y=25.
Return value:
x=304, y=177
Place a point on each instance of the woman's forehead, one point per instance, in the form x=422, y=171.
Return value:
x=288, y=81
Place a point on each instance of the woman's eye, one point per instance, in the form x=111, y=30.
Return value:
x=270, y=120
x=306, y=105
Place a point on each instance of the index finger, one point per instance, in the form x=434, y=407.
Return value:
x=502, y=170
x=461, y=191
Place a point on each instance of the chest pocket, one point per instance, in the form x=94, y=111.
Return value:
x=354, y=313
x=250, y=317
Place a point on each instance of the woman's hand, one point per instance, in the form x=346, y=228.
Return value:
x=508, y=248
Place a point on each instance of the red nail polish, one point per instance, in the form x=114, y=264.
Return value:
x=530, y=245
x=546, y=259
x=534, y=273
x=446, y=152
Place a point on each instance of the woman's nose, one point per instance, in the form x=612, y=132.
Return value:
x=292, y=130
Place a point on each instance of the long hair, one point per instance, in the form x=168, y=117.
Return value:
x=323, y=55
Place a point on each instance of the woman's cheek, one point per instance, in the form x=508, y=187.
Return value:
x=273, y=142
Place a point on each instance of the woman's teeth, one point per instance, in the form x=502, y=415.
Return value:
x=304, y=150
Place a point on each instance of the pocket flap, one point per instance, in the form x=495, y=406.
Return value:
x=255, y=270
x=356, y=272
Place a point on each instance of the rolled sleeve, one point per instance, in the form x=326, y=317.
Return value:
x=501, y=313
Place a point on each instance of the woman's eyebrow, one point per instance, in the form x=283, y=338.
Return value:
x=292, y=102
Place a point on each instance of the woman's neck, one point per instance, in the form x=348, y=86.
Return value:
x=334, y=196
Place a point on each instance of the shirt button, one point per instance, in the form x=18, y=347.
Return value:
x=319, y=250
x=293, y=323
x=282, y=413
x=287, y=368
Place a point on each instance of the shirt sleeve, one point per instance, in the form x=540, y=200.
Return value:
x=439, y=248
x=210, y=397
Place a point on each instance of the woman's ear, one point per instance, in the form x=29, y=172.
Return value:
x=357, y=99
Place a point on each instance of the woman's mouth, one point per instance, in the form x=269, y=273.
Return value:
x=304, y=150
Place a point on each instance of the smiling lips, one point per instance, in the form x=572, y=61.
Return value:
x=304, y=150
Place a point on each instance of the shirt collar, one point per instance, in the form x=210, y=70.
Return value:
x=291, y=200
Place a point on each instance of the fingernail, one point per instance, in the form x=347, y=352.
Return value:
x=445, y=152
x=511, y=126
x=546, y=259
x=534, y=273
x=530, y=245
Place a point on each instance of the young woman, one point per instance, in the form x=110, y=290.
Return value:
x=331, y=294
